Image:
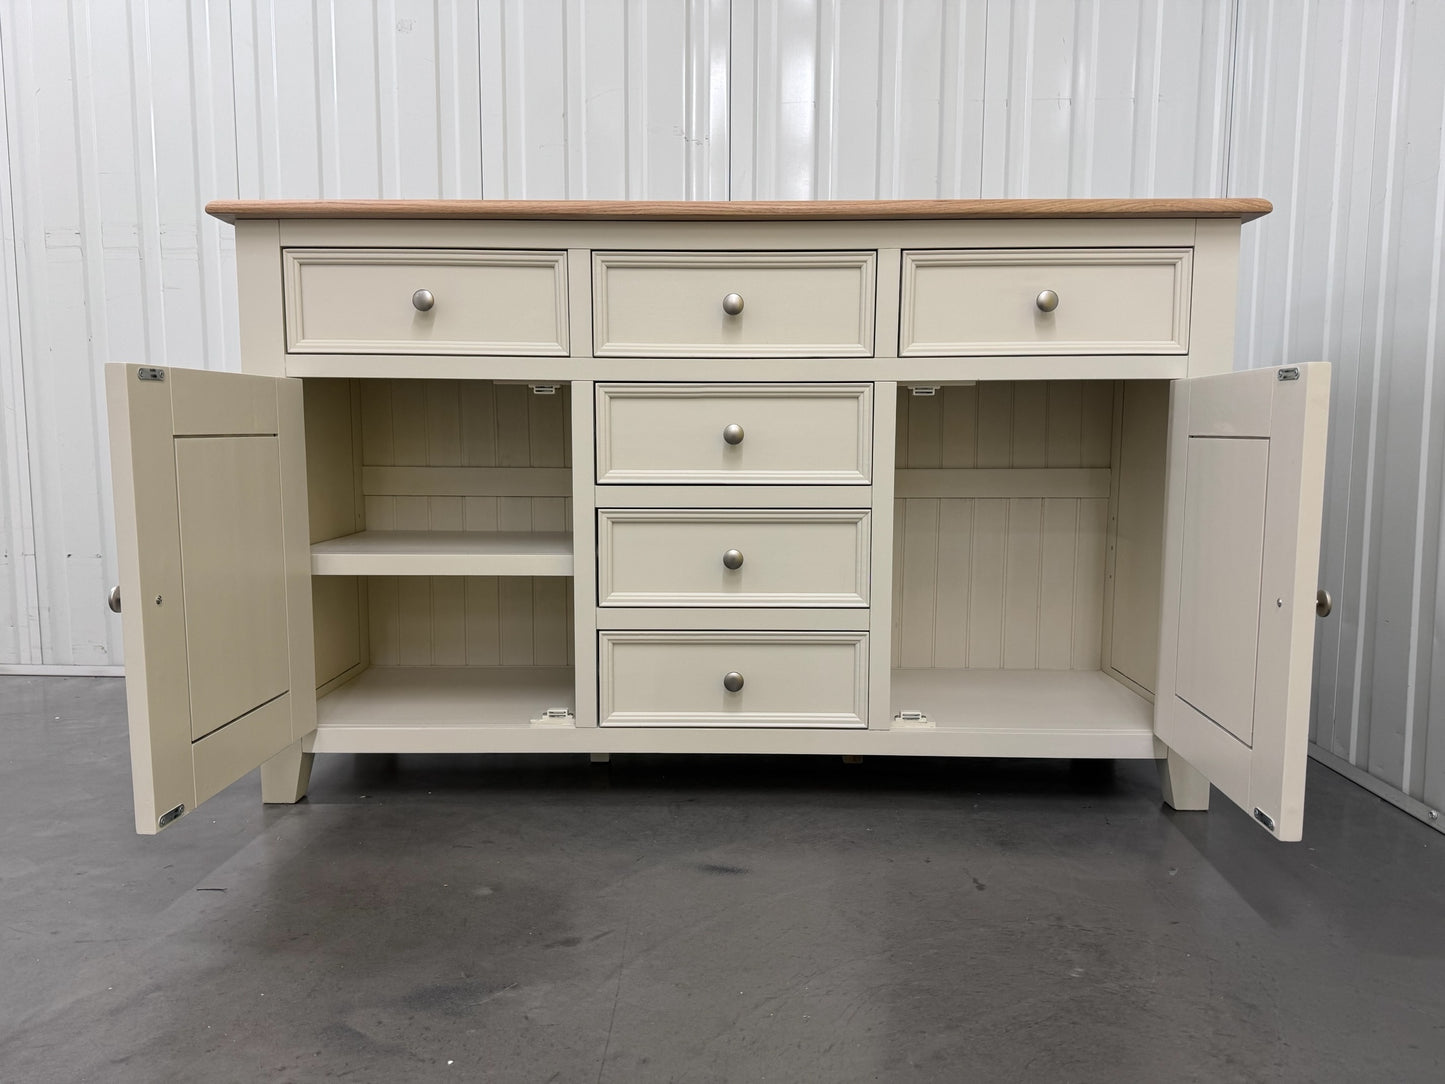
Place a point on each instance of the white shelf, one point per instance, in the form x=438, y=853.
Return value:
x=1062, y=713
x=984, y=713
x=421, y=698
x=444, y=553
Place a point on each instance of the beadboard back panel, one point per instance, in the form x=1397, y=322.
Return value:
x=999, y=583
x=477, y=620
x=1001, y=423
x=1002, y=582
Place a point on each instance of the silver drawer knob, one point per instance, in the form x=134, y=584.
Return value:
x=732, y=681
x=1047, y=301
x=733, y=559
x=1324, y=605
x=733, y=434
x=423, y=300
x=113, y=599
x=733, y=304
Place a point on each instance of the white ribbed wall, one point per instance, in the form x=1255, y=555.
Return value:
x=121, y=118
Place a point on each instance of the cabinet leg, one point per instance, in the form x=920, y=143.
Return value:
x=285, y=777
x=601, y=758
x=1183, y=785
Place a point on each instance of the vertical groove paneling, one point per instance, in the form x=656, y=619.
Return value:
x=466, y=621
x=121, y=120
x=1012, y=583
x=19, y=589
x=1337, y=116
x=872, y=100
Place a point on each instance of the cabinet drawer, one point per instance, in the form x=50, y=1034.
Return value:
x=754, y=434
x=789, y=679
x=783, y=304
x=732, y=558
x=375, y=301
x=993, y=301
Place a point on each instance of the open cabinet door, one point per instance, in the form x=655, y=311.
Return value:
x=1241, y=553
x=213, y=544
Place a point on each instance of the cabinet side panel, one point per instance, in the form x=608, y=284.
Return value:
x=1138, y=532
x=1215, y=296
x=333, y=462
x=258, y=282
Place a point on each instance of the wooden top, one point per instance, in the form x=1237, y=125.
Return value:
x=727, y=211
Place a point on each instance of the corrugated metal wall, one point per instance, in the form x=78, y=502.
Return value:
x=1338, y=109
x=121, y=119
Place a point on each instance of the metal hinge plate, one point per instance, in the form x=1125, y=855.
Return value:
x=1289, y=374
x=171, y=815
x=150, y=372
x=905, y=720
x=923, y=390
x=555, y=717
x=1264, y=818
x=543, y=389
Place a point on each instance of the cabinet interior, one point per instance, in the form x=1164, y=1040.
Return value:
x=440, y=495
x=1027, y=540
x=1028, y=533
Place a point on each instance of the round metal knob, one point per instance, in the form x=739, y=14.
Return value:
x=733, y=434
x=423, y=300
x=1047, y=301
x=733, y=304
x=113, y=599
x=1323, y=603
x=733, y=559
x=732, y=681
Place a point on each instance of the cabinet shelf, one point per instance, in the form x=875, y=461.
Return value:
x=444, y=553
x=417, y=707
x=1026, y=712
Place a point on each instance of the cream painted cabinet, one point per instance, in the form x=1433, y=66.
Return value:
x=960, y=478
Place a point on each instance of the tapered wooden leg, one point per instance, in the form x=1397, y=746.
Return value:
x=285, y=777
x=1183, y=785
x=601, y=758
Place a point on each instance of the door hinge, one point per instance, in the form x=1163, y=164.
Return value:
x=1264, y=818
x=554, y=717
x=150, y=372
x=170, y=815
x=906, y=719
x=1290, y=373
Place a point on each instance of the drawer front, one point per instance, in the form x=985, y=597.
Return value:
x=365, y=301
x=732, y=558
x=994, y=301
x=785, y=434
x=789, y=679
x=667, y=304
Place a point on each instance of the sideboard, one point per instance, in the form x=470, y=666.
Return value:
x=940, y=478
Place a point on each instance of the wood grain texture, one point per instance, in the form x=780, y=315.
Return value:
x=724, y=211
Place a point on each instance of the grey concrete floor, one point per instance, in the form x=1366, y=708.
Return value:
x=708, y=919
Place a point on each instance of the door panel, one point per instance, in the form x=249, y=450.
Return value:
x=1241, y=553
x=212, y=539
x=234, y=565
x=1219, y=588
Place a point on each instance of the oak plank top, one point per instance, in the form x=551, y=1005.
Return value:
x=727, y=211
